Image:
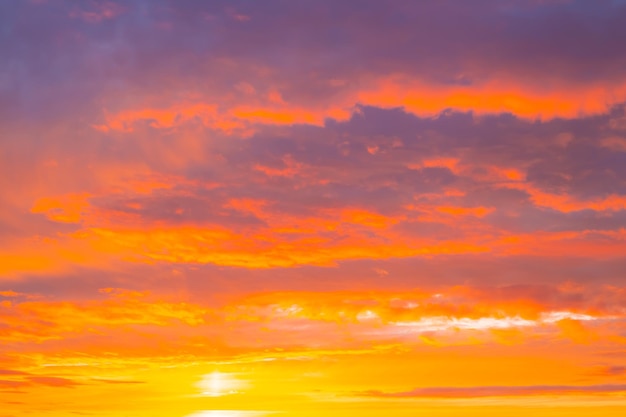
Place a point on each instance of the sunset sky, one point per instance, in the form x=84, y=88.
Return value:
x=305, y=208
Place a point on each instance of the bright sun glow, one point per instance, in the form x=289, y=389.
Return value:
x=217, y=384
x=228, y=413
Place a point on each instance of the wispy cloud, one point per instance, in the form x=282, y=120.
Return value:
x=500, y=391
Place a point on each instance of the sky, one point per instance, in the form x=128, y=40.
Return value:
x=240, y=208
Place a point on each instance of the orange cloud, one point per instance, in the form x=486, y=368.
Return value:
x=566, y=203
x=599, y=244
x=168, y=117
x=492, y=97
x=65, y=209
x=502, y=391
x=40, y=321
x=576, y=331
x=291, y=168
x=466, y=211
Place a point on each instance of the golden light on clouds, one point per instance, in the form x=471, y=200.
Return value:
x=304, y=209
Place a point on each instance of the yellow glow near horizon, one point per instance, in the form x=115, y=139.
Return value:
x=218, y=384
x=228, y=413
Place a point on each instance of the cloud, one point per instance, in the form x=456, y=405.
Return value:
x=53, y=381
x=11, y=385
x=12, y=372
x=613, y=370
x=117, y=381
x=500, y=391
x=25, y=380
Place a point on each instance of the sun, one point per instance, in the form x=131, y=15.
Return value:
x=228, y=413
x=218, y=384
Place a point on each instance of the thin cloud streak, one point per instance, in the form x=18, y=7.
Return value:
x=501, y=391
